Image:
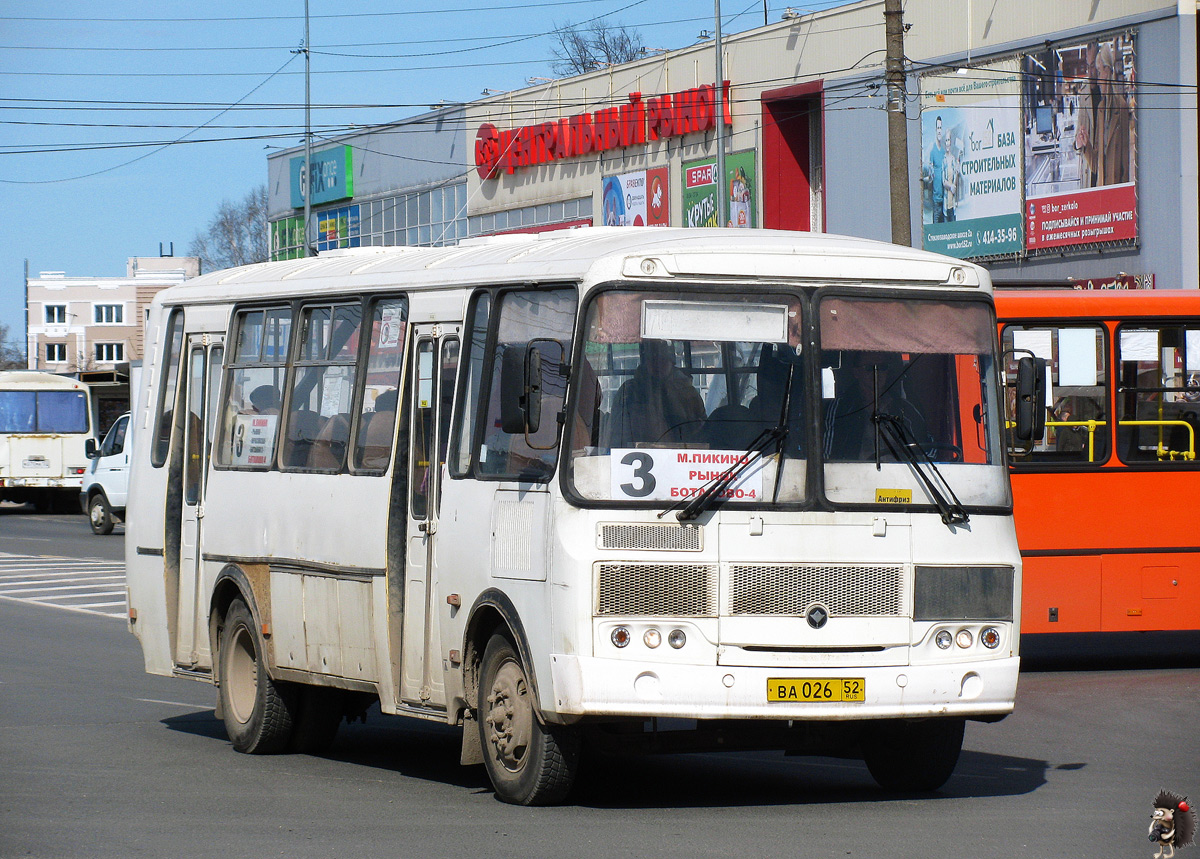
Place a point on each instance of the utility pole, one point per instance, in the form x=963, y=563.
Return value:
x=306, y=182
x=722, y=191
x=893, y=16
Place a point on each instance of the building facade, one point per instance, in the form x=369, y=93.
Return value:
x=1048, y=141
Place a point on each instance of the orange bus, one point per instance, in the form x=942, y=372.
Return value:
x=1105, y=501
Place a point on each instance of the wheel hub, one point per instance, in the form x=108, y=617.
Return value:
x=510, y=716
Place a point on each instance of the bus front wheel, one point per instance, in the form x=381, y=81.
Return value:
x=528, y=762
x=913, y=756
x=258, y=712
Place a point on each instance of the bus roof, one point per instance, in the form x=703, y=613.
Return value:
x=31, y=379
x=1095, y=303
x=589, y=253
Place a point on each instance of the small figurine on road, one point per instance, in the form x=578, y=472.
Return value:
x=1172, y=825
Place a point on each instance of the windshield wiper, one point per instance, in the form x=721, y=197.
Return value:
x=902, y=446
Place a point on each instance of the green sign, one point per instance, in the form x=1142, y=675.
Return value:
x=740, y=186
x=332, y=176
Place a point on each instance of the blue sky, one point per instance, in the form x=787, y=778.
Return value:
x=126, y=124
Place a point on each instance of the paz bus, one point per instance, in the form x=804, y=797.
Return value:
x=45, y=422
x=1103, y=499
x=652, y=487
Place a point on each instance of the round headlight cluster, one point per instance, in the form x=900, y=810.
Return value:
x=652, y=637
x=989, y=637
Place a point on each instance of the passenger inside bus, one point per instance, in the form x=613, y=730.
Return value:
x=659, y=405
x=264, y=400
x=376, y=438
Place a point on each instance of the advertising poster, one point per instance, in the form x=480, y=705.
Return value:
x=1080, y=143
x=700, y=191
x=337, y=228
x=637, y=199
x=287, y=239
x=971, y=161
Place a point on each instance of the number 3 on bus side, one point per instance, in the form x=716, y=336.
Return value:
x=642, y=463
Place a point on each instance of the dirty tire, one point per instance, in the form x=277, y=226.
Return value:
x=913, y=756
x=528, y=762
x=100, y=515
x=258, y=712
x=319, y=712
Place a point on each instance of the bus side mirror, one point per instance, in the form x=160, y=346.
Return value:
x=90, y=450
x=521, y=390
x=1031, y=399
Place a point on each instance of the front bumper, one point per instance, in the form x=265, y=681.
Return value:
x=587, y=686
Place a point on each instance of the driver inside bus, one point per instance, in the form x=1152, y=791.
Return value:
x=658, y=405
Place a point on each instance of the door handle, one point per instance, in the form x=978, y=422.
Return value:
x=427, y=527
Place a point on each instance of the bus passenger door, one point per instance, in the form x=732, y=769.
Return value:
x=204, y=356
x=430, y=395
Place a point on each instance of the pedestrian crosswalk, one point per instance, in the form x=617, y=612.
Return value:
x=88, y=585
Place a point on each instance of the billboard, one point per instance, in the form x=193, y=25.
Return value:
x=700, y=191
x=332, y=176
x=971, y=161
x=1080, y=143
x=637, y=199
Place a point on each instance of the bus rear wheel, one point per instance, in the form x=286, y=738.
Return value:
x=100, y=514
x=258, y=712
x=913, y=757
x=528, y=762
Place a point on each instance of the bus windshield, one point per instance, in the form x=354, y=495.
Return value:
x=43, y=411
x=910, y=408
x=674, y=387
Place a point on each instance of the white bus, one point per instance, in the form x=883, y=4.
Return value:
x=654, y=487
x=45, y=421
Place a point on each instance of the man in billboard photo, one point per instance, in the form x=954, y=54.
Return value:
x=933, y=173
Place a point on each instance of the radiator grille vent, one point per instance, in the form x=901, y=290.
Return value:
x=671, y=590
x=847, y=591
x=676, y=538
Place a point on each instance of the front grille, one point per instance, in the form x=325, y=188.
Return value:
x=789, y=589
x=678, y=538
x=664, y=590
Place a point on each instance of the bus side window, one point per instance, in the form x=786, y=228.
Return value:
x=381, y=382
x=1158, y=399
x=542, y=320
x=172, y=349
x=322, y=387
x=254, y=383
x=1077, y=426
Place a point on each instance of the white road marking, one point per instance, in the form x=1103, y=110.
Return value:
x=90, y=586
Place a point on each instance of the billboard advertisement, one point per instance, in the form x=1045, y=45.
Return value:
x=332, y=176
x=637, y=199
x=700, y=191
x=971, y=161
x=1080, y=143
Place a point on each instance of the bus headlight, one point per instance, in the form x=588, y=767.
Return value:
x=652, y=638
x=677, y=638
x=943, y=639
x=964, y=638
x=990, y=637
x=620, y=636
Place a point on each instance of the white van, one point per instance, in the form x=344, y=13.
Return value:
x=106, y=483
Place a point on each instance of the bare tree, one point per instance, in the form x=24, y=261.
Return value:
x=580, y=48
x=237, y=234
x=12, y=356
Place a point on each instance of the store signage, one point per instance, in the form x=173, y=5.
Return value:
x=1120, y=281
x=637, y=199
x=632, y=124
x=332, y=176
x=1082, y=217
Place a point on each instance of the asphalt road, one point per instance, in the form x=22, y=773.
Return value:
x=99, y=759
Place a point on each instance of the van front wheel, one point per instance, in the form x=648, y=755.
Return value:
x=100, y=515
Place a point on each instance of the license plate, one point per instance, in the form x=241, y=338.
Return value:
x=800, y=689
x=36, y=463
